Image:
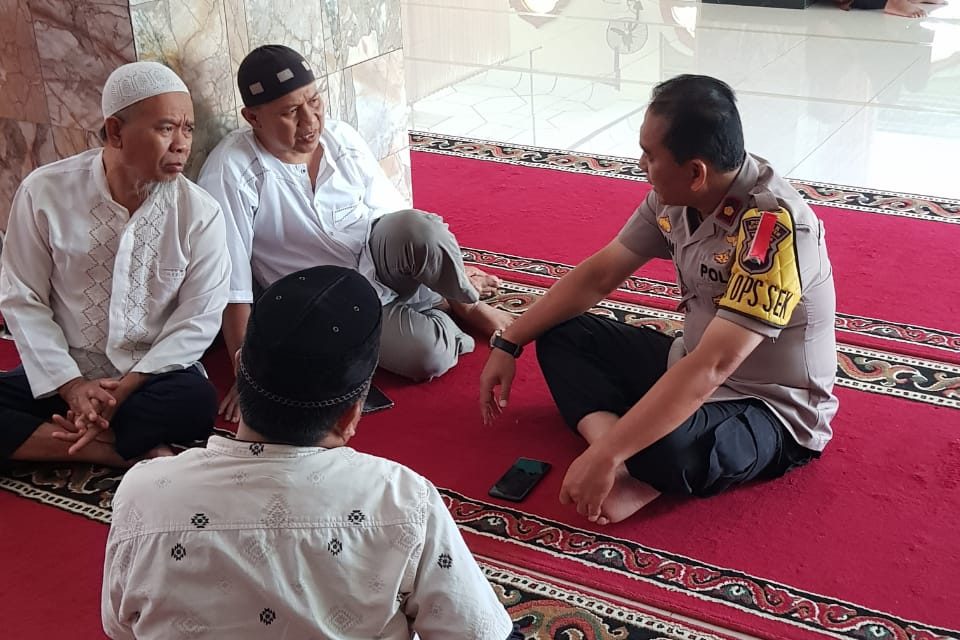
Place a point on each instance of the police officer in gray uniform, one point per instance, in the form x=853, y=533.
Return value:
x=747, y=391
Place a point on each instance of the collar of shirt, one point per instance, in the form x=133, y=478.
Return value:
x=248, y=449
x=734, y=203
x=103, y=187
x=100, y=176
x=298, y=172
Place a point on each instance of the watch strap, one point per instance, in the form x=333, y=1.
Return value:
x=498, y=342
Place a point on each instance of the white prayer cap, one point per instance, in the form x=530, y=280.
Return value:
x=138, y=81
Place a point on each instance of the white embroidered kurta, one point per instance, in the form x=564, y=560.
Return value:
x=249, y=540
x=277, y=223
x=89, y=290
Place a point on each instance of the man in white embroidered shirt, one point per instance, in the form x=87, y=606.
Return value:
x=300, y=192
x=286, y=532
x=114, y=278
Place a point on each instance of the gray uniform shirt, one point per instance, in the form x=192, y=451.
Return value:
x=760, y=261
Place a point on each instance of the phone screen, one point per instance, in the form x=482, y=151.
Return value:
x=376, y=401
x=519, y=479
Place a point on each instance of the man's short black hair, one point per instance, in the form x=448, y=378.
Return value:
x=702, y=120
x=289, y=425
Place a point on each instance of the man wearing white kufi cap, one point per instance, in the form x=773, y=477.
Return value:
x=114, y=278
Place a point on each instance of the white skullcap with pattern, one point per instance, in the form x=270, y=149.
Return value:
x=138, y=81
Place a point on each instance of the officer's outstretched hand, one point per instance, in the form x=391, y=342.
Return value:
x=498, y=372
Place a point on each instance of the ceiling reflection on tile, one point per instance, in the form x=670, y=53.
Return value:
x=577, y=74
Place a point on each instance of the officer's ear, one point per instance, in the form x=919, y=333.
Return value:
x=698, y=170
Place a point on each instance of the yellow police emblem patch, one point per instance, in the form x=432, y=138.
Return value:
x=723, y=257
x=765, y=277
x=664, y=223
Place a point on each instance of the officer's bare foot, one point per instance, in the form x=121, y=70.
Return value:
x=481, y=317
x=486, y=284
x=903, y=8
x=628, y=496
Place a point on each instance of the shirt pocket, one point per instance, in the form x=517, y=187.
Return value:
x=164, y=290
x=171, y=275
x=710, y=274
x=348, y=214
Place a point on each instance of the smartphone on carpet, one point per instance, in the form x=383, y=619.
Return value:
x=376, y=401
x=519, y=479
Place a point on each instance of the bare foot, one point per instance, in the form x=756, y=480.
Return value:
x=486, y=284
x=628, y=496
x=481, y=317
x=904, y=8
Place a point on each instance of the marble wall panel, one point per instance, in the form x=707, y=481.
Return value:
x=24, y=146
x=79, y=43
x=22, y=97
x=294, y=23
x=342, y=101
x=238, y=39
x=190, y=37
x=397, y=168
x=367, y=29
x=55, y=56
x=381, y=103
x=332, y=36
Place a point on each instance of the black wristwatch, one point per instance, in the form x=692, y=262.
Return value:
x=497, y=342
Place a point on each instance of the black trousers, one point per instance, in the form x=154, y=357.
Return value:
x=178, y=406
x=595, y=364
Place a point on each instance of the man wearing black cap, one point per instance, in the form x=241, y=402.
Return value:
x=300, y=192
x=286, y=532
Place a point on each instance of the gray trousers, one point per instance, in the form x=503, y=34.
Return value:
x=417, y=256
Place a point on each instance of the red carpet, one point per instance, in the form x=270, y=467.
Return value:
x=858, y=545
x=872, y=523
x=52, y=568
x=565, y=217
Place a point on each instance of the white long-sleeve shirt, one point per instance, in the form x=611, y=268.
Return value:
x=89, y=290
x=247, y=540
x=278, y=223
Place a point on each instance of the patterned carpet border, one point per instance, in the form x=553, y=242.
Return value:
x=87, y=490
x=544, y=609
x=854, y=198
x=59, y=499
x=873, y=327
x=867, y=370
x=765, y=598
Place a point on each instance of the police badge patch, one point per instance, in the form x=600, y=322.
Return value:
x=763, y=236
x=765, y=278
x=664, y=223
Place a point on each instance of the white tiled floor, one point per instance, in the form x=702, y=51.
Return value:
x=858, y=98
